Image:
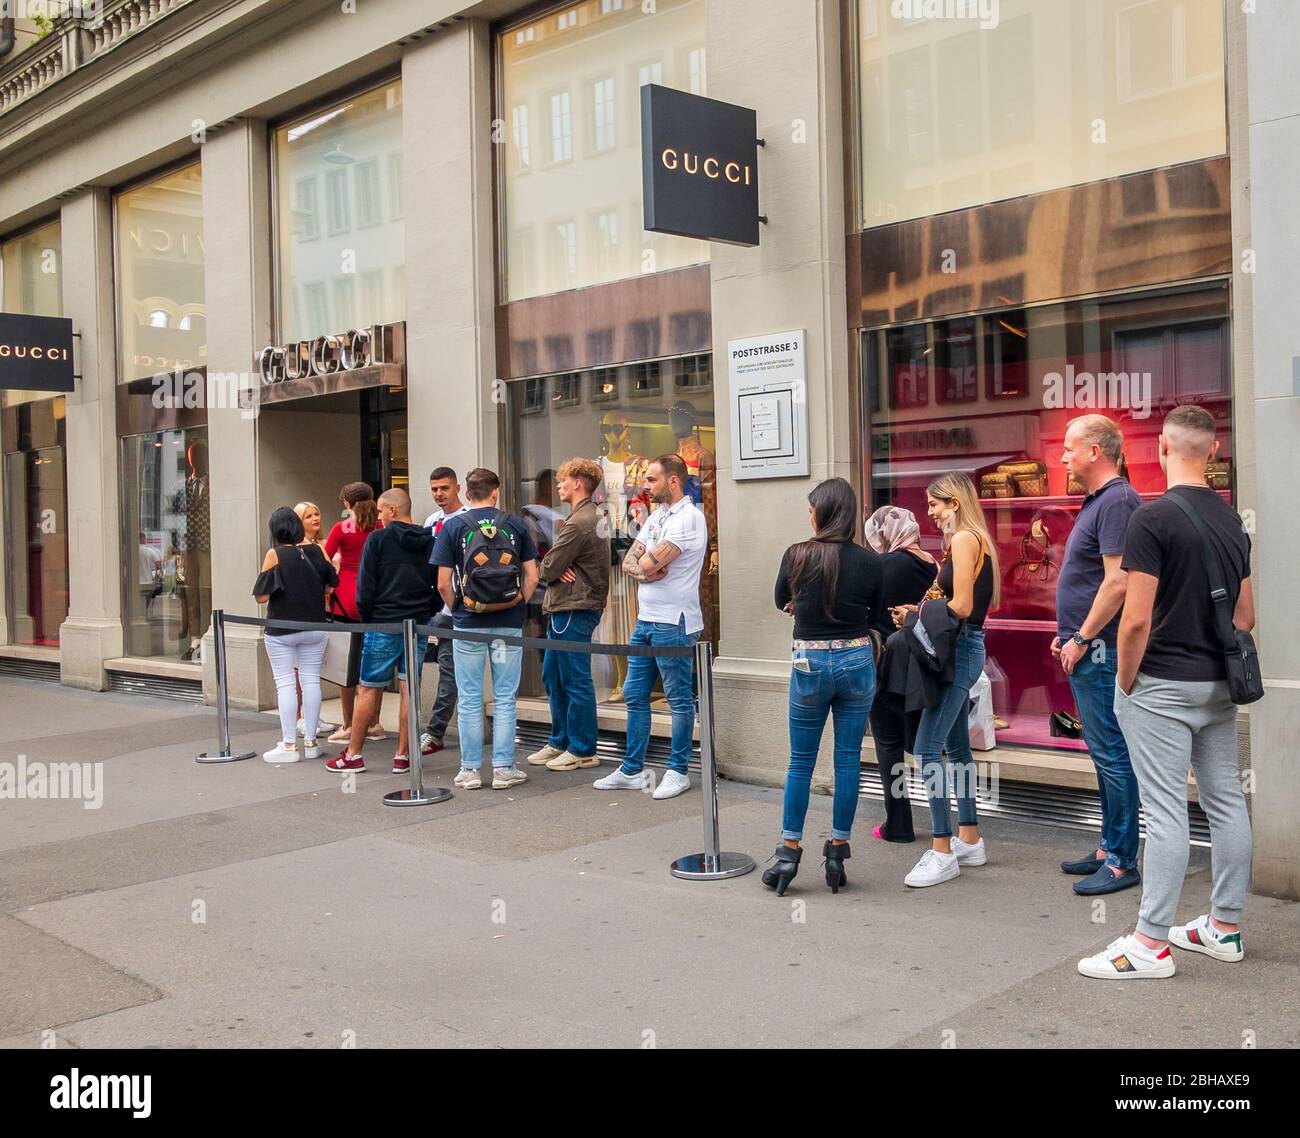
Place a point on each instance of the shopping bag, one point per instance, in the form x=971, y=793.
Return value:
x=983, y=737
x=334, y=667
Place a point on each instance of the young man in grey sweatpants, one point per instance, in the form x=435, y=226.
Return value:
x=1173, y=705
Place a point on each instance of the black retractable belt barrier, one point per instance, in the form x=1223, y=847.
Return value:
x=712, y=864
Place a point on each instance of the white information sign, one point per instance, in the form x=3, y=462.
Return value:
x=768, y=405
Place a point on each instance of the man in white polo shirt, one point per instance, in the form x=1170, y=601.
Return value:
x=665, y=561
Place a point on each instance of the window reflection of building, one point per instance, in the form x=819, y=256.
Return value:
x=564, y=213
x=344, y=160
x=953, y=114
x=621, y=417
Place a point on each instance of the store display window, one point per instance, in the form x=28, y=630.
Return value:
x=990, y=395
x=622, y=417
x=167, y=543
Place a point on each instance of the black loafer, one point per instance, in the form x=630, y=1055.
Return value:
x=1084, y=867
x=1103, y=881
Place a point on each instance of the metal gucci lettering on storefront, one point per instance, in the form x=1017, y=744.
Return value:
x=325, y=355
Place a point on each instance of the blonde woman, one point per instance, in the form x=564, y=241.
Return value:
x=968, y=578
x=309, y=514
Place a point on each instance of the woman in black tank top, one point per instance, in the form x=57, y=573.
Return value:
x=969, y=579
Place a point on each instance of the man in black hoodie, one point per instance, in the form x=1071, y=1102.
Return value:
x=394, y=583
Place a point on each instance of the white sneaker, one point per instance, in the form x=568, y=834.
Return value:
x=467, y=779
x=672, y=784
x=1128, y=959
x=617, y=780
x=934, y=868
x=968, y=853
x=281, y=754
x=321, y=725
x=568, y=761
x=503, y=778
x=310, y=749
x=340, y=735
x=544, y=756
x=1201, y=936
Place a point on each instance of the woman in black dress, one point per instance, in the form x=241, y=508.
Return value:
x=909, y=571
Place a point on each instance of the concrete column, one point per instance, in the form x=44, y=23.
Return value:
x=237, y=288
x=1274, y=146
x=793, y=280
x=447, y=163
x=92, y=632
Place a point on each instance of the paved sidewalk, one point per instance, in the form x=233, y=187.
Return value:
x=250, y=905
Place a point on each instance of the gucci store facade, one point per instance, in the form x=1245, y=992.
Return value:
x=977, y=231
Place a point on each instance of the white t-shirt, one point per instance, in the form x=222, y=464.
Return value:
x=678, y=592
x=432, y=521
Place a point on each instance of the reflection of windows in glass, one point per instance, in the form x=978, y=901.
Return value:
x=960, y=83
x=907, y=356
x=519, y=122
x=695, y=68
x=956, y=363
x=1185, y=363
x=568, y=391
x=317, y=308
x=345, y=304
x=306, y=225
x=693, y=373
x=1006, y=355
x=646, y=383
x=649, y=73
x=372, y=295
x=603, y=386
x=564, y=251
x=1149, y=58
x=367, y=175
x=534, y=396
x=561, y=127
x=608, y=6
x=602, y=113
x=525, y=35
x=912, y=126
x=395, y=191
x=567, y=19
x=336, y=197
x=606, y=242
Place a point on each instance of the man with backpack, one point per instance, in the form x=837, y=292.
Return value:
x=1187, y=608
x=487, y=571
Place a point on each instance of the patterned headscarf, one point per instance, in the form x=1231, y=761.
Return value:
x=891, y=528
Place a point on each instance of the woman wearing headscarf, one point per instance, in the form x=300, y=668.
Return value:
x=909, y=571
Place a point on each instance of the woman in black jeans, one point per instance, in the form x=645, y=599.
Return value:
x=909, y=572
x=832, y=586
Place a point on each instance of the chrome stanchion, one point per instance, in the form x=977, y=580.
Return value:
x=222, y=754
x=713, y=863
x=417, y=794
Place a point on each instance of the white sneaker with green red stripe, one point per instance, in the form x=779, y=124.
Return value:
x=1201, y=936
x=1128, y=959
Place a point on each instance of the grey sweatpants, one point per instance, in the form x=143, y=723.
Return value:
x=1171, y=725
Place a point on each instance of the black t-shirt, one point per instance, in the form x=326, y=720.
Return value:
x=295, y=585
x=982, y=595
x=907, y=579
x=1162, y=542
x=856, y=602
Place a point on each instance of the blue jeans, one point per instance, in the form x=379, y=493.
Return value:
x=567, y=676
x=944, y=729
x=842, y=683
x=504, y=660
x=1093, y=684
x=677, y=673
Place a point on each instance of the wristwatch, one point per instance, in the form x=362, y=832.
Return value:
x=1078, y=639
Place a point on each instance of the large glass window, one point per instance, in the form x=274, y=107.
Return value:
x=35, y=471
x=990, y=395
x=622, y=418
x=570, y=108
x=338, y=177
x=1052, y=93
x=160, y=256
x=167, y=542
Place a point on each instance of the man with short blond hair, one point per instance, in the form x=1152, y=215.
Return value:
x=1089, y=596
x=575, y=572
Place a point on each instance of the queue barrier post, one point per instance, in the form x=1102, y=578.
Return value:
x=713, y=864
x=416, y=794
x=223, y=753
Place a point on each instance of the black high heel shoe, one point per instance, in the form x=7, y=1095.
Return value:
x=780, y=875
x=836, y=856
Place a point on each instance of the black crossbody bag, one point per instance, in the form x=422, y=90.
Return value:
x=1245, y=683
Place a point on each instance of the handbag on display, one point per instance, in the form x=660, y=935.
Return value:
x=1029, y=478
x=1036, y=562
x=1240, y=657
x=1066, y=725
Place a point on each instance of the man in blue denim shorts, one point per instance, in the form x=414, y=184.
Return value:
x=394, y=583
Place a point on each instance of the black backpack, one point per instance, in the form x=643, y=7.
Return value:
x=490, y=578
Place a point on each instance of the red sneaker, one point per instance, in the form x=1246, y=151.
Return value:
x=345, y=762
x=428, y=744
x=401, y=764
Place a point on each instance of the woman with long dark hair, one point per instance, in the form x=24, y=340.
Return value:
x=832, y=586
x=343, y=547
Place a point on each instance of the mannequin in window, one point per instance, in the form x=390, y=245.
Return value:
x=622, y=497
x=197, y=508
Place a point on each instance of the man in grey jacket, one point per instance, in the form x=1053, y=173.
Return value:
x=576, y=574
